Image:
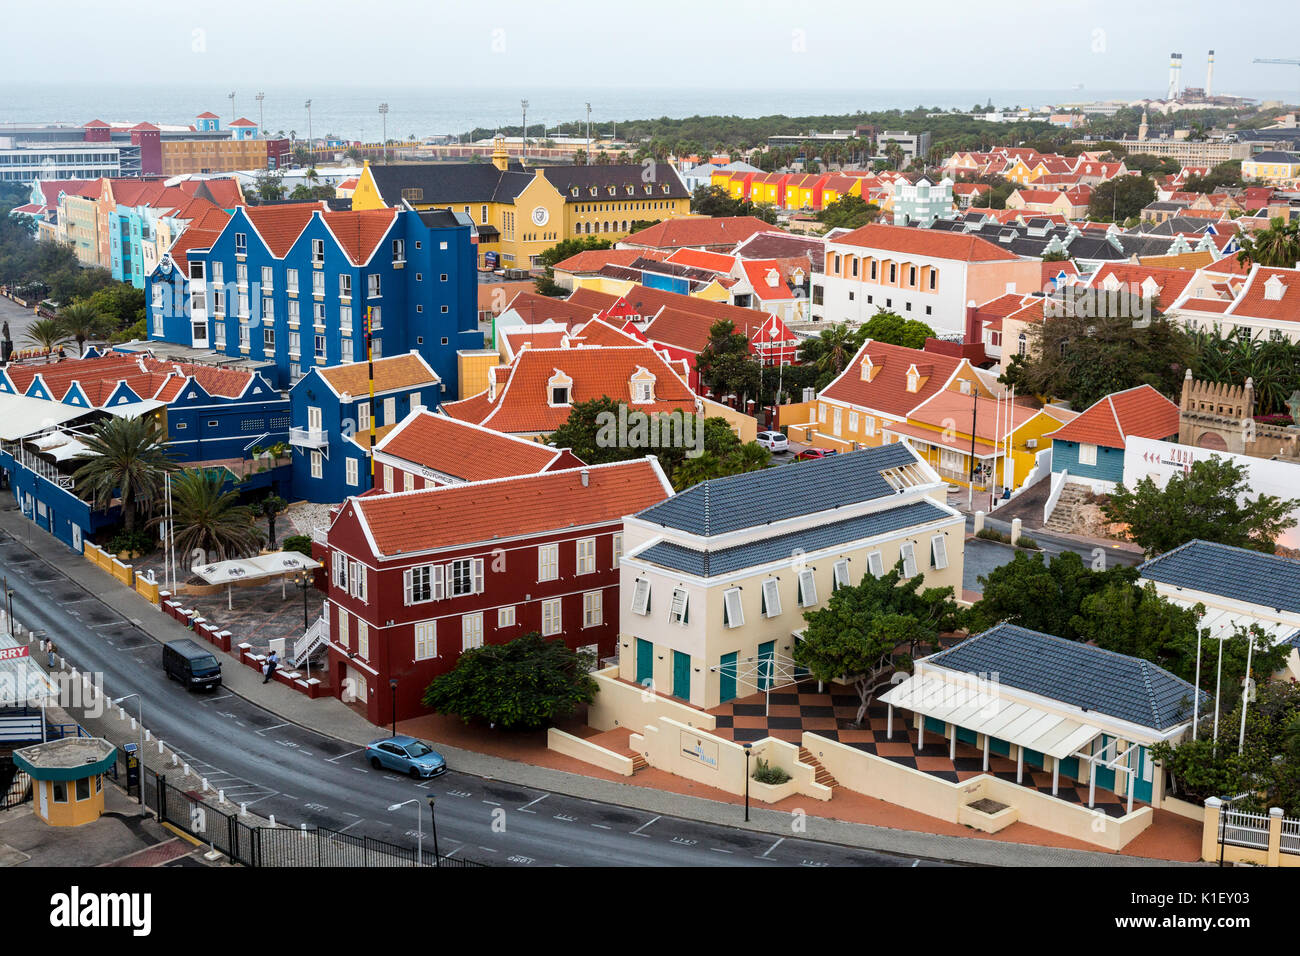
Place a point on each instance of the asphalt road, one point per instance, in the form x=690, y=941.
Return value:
x=302, y=776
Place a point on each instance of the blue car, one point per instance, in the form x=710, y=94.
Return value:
x=405, y=755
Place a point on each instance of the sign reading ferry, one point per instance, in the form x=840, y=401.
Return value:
x=12, y=653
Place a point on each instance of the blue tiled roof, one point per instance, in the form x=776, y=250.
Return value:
x=1074, y=673
x=787, y=491
x=783, y=547
x=1238, y=573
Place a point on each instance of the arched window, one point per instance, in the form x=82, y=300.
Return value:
x=1021, y=344
x=624, y=225
x=854, y=266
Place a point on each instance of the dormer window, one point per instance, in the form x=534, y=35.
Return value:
x=631, y=190
x=613, y=190
x=595, y=191
x=913, y=381
x=574, y=192
x=1274, y=288
x=560, y=395
x=559, y=389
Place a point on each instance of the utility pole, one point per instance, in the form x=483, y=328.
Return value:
x=307, y=106
x=383, y=112
x=523, y=104
x=588, y=134
x=974, y=422
x=261, y=116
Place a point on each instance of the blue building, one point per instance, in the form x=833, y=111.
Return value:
x=1090, y=449
x=332, y=413
x=291, y=285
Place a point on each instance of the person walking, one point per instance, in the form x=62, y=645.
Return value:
x=51, y=654
x=272, y=661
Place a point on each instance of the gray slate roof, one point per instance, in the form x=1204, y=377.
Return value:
x=787, y=491
x=1074, y=673
x=1238, y=573
x=440, y=182
x=783, y=547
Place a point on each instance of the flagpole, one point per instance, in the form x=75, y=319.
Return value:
x=1196, y=691
x=1218, y=684
x=370, y=375
x=1245, y=696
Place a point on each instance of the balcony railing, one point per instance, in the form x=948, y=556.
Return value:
x=308, y=437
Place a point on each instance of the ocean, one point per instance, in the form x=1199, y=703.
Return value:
x=351, y=112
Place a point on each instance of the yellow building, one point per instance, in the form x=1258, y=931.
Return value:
x=214, y=155
x=1274, y=166
x=521, y=211
x=67, y=778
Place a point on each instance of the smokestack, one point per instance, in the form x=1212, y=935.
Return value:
x=1173, y=76
x=586, y=477
x=1209, y=77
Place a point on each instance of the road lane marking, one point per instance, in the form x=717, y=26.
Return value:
x=492, y=803
x=264, y=730
x=772, y=847
x=348, y=754
x=524, y=808
x=351, y=825
x=564, y=818
x=718, y=849
x=637, y=831
x=601, y=826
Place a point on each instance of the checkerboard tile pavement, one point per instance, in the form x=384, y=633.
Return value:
x=791, y=710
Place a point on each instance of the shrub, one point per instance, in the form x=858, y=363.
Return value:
x=764, y=772
x=297, y=542
x=139, y=541
x=1028, y=543
x=992, y=534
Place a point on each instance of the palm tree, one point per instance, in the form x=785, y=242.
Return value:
x=837, y=348
x=47, y=334
x=1277, y=246
x=126, y=458
x=209, y=519
x=81, y=321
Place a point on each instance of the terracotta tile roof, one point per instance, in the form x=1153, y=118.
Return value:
x=206, y=116
x=1206, y=305
x=192, y=238
x=1182, y=260
x=600, y=332
x=359, y=232
x=925, y=242
x=148, y=377
x=703, y=259
x=391, y=372
x=698, y=231
x=439, y=443
x=761, y=272
x=1170, y=283
x=1140, y=411
x=280, y=226
x=645, y=301
x=1052, y=269
x=1003, y=305
x=431, y=519
x=535, y=309
x=224, y=192
x=887, y=391
x=521, y=405
x=593, y=260
x=685, y=330
x=1254, y=301
x=992, y=421
x=519, y=338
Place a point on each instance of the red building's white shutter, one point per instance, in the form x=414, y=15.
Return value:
x=437, y=581
x=478, y=575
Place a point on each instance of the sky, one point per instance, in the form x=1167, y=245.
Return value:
x=799, y=44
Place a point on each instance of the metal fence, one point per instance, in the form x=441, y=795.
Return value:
x=1240, y=828
x=277, y=846
x=15, y=784
x=1291, y=835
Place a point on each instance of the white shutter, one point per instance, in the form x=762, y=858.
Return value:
x=842, y=573
x=772, y=597
x=641, y=597
x=908, y=552
x=407, y=596
x=436, y=574
x=478, y=575
x=735, y=612
x=677, y=612
x=807, y=587
x=939, y=551
x=876, y=564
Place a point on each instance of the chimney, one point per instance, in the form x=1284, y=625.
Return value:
x=586, y=477
x=972, y=324
x=1209, y=77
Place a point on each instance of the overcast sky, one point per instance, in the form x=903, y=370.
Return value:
x=813, y=44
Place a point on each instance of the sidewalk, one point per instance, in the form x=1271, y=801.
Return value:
x=330, y=716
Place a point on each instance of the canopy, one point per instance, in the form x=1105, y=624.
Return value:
x=252, y=569
x=981, y=708
x=21, y=416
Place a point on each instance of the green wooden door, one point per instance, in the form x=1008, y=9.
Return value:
x=766, y=664
x=645, y=661
x=727, y=678
x=681, y=675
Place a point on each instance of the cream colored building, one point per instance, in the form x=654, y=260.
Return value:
x=714, y=582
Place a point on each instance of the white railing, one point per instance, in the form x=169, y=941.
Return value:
x=1245, y=829
x=304, y=646
x=1058, y=485
x=1291, y=835
x=320, y=535
x=38, y=465
x=308, y=437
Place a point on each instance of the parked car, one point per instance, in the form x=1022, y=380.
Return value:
x=809, y=454
x=405, y=755
x=773, y=441
x=192, y=664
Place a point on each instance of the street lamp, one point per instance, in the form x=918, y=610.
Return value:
x=748, y=750
x=437, y=859
x=139, y=754
x=307, y=107
x=523, y=104
x=261, y=116
x=419, y=825
x=383, y=112
x=9, y=605
x=392, y=686
x=231, y=96
x=302, y=581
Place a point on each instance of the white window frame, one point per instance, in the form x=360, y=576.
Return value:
x=733, y=609
x=593, y=608
x=548, y=560
x=363, y=639
x=1087, y=454
x=475, y=577
x=471, y=631
x=506, y=616
x=939, y=552
x=771, y=598
x=552, y=622
x=421, y=584
x=617, y=541
x=357, y=582
x=426, y=640
x=352, y=471
x=840, y=573
x=908, y=553
x=641, y=597
x=317, y=465
x=339, y=568
x=807, y=588
x=679, y=610
x=585, y=550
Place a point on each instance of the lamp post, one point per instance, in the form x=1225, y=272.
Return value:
x=261, y=116
x=383, y=112
x=302, y=581
x=392, y=686
x=307, y=107
x=139, y=754
x=231, y=97
x=523, y=104
x=9, y=606
x=749, y=748
x=433, y=816
x=419, y=828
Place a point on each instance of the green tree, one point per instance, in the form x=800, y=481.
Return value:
x=47, y=334
x=857, y=634
x=1223, y=175
x=581, y=433
x=268, y=185
x=545, y=283
x=81, y=321
x=126, y=459
x=1277, y=246
x=525, y=684
x=849, y=212
x=892, y=328
x=208, y=519
x=270, y=507
x=724, y=454
x=1207, y=502
x=723, y=357
x=1117, y=199
x=1041, y=595
x=829, y=352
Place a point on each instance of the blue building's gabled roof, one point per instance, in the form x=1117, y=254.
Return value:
x=1253, y=577
x=1081, y=675
x=780, y=548
x=787, y=491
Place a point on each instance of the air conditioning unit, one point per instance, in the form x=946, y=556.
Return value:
x=1031, y=443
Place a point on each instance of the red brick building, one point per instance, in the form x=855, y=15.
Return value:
x=417, y=577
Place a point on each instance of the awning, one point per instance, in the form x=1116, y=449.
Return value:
x=252, y=569
x=21, y=416
x=134, y=409
x=1222, y=623
x=978, y=707
x=936, y=438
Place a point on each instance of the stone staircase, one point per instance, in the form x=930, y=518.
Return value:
x=820, y=774
x=1063, y=517
x=638, y=761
